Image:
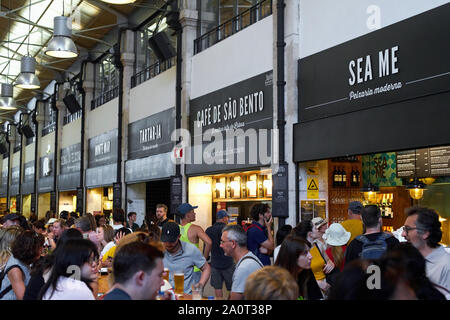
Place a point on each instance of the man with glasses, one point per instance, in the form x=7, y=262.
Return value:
x=234, y=244
x=423, y=230
x=373, y=243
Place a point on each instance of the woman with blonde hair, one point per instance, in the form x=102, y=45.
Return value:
x=336, y=237
x=7, y=237
x=271, y=283
x=105, y=236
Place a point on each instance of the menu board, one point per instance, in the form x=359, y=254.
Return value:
x=440, y=161
x=428, y=162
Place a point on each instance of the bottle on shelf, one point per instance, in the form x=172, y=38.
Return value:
x=338, y=177
x=358, y=178
x=344, y=177
x=335, y=177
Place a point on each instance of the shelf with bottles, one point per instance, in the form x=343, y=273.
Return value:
x=248, y=186
x=345, y=174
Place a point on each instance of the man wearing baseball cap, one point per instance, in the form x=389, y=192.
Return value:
x=222, y=267
x=192, y=233
x=10, y=219
x=182, y=256
x=354, y=223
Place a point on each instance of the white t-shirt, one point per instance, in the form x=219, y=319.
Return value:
x=108, y=246
x=275, y=253
x=69, y=289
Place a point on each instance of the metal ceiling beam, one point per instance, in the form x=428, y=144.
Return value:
x=121, y=18
x=4, y=13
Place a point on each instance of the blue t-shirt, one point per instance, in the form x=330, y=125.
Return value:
x=256, y=236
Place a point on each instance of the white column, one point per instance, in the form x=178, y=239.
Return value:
x=188, y=20
x=128, y=58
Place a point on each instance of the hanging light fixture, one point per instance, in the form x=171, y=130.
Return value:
x=7, y=101
x=27, y=79
x=416, y=189
x=370, y=190
x=62, y=45
x=119, y=1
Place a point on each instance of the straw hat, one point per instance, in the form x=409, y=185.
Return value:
x=318, y=222
x=336, y=235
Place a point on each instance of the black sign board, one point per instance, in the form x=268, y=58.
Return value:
x=46, y=173
x=439, y=161
x=28, y=171
x=15, y=178
x=53, y=201
x=117, y=195
x=18, y=204
x=101, y=176
x=80, y=199
x=15, y=175
x=103, y=149
x=405, y=60
x=418, y=51
x=176, y=193
x=151, y=135
x=70, y=159
x=428, y=162
x=28, y=178
x=46, y=166
x=149, y=168
x=33, y=203
x=70, y=165
x=247, y=106
x=280, y=192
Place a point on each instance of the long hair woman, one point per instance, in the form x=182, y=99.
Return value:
x=25, y=250
x=294, y=256
x=75, y=267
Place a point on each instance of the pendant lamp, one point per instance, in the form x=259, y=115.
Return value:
x=62, y=45
x=7, y=101
x=119, y=1
x=416, y=189
x=27, y=79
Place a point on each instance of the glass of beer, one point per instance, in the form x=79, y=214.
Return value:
x=166, y=274
x=178, y=279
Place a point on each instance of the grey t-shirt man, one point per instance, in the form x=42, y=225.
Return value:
x=244, y=267
x=184, y=261
x=438, y=269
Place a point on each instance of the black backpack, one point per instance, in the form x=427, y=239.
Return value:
x=3, y=275
x=373, y=249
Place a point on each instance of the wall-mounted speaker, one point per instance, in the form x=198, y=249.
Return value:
x=3, y=149
x=71, y=103
x=27, y=131
x=161, y=46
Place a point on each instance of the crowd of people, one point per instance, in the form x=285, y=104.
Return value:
x=60, y=257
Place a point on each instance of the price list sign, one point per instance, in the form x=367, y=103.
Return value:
x=428, y=162
x=440, y=161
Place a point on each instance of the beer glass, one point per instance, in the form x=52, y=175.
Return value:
x=178, y=279
x=196, y=292
x=166, y=274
